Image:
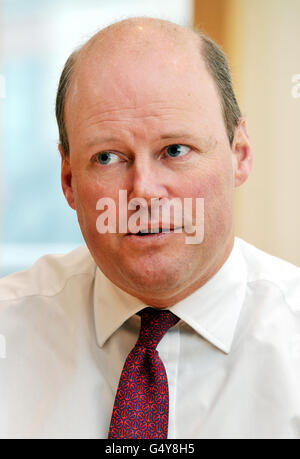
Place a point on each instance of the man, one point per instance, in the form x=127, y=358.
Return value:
x=147, y=107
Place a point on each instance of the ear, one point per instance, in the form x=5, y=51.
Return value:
x=241, y=153
x=66, y=178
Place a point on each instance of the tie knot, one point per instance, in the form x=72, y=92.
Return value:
x=154, y=324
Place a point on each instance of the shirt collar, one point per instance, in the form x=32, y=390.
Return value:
x=212, y=311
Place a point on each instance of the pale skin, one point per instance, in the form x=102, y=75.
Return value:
x=144, y=88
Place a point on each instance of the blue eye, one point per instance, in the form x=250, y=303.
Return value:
x=107, y=158
x=177, y=150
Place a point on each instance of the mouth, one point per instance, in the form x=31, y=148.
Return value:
x=152, y=236
x=144, y=233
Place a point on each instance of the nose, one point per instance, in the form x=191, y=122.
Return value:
x=148, y=180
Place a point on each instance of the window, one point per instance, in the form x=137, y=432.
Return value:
x=37, y=38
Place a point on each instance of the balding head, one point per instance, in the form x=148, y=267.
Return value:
x=139, y=33
x=156, y=39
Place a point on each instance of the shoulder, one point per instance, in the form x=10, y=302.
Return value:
x=264, y=268
x=48, y=275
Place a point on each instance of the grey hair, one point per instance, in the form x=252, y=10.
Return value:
x=217, y=65
x=62, y=91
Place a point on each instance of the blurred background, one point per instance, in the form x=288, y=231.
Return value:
x=262, y=41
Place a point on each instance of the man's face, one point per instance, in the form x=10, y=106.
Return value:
x=134, y=106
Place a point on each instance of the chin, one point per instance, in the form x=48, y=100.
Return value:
x=151, y=281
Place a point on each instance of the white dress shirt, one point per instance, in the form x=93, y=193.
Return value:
x=232, y=361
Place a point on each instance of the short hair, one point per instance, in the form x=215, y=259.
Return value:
x=216, y=63
x=61, y=96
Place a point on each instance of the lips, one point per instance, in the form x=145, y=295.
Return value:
x=151, y=231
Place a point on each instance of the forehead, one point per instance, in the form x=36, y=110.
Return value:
x=157, y=77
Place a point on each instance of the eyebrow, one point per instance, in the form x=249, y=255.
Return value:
x=176, y=134
x=170, y=135
x=97, y=140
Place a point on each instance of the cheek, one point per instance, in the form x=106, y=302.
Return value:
x=209, y=183
x=214, y=184
x=86, y=195
x=88, y=189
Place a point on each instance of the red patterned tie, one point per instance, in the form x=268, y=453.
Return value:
x=141, y=408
